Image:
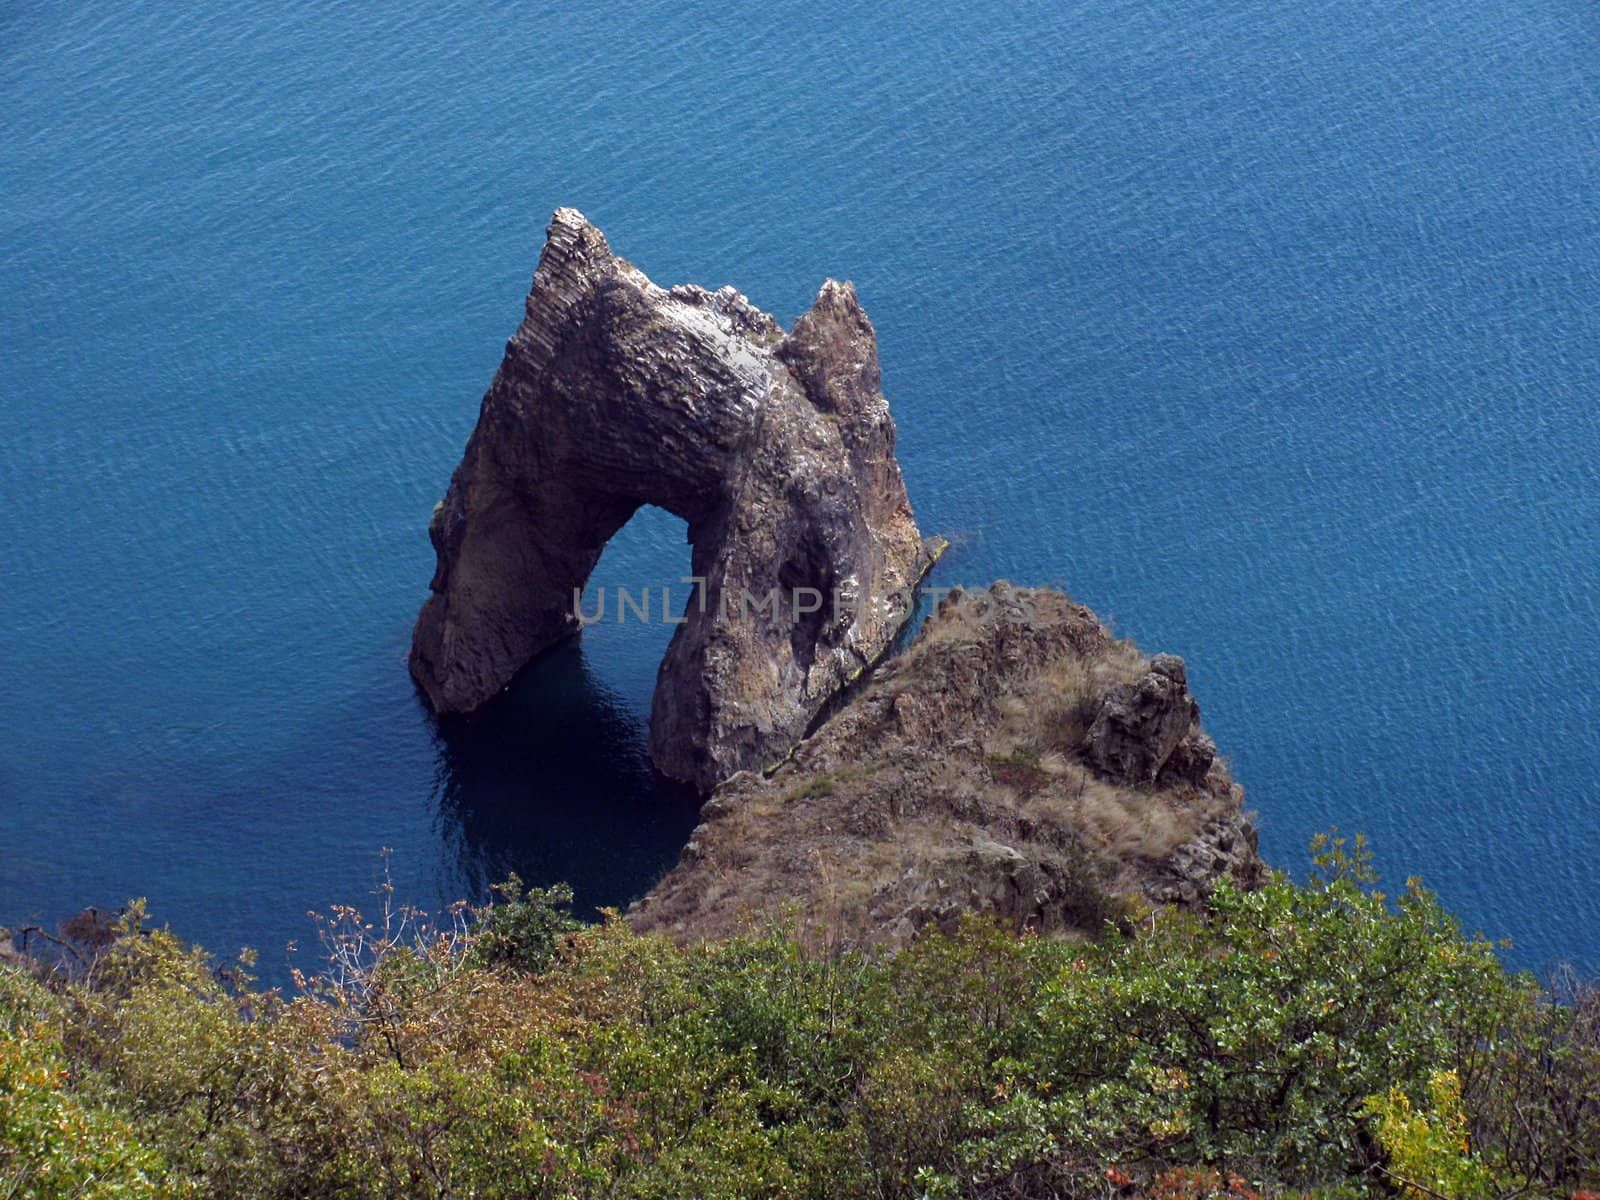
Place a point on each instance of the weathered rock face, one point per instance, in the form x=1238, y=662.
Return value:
x=776, y=448
x=965, y=776
x=1137, y=735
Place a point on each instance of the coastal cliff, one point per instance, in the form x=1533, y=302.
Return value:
x=1015, y=760
x=776, y=448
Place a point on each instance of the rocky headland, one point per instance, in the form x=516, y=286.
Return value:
x=1016, y=759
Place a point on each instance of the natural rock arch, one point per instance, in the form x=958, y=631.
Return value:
x=777, y=450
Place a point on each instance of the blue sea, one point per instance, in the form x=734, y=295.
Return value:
x=1271, y=331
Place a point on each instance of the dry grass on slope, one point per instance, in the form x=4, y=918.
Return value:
x=956, y=780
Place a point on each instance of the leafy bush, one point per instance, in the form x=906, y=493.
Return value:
x=1321, y=1037
x=1252, y=1035
x=1533, y=1092
x=54, y=1141
x=525, y=928
x=1427, y=1150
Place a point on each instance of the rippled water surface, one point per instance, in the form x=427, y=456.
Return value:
x=1271, y=331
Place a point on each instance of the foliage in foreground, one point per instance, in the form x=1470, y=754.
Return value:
x=1314, y=1039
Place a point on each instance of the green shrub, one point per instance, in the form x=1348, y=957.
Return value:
x=1322, y=1037
x=1426, y=1149
x=524, y=929
x=1251, y=1036
x=1533, y=1091
x=57, y=1143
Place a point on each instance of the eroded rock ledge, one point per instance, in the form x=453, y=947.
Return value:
x=1016, y=760
x=776, y=448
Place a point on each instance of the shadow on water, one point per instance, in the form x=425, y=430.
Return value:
x=553, y=780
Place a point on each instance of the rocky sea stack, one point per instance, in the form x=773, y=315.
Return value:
x=777, y=449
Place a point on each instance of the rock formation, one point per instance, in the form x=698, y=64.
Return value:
x=776, y=448
x=1016, y=759
x=1149, y=730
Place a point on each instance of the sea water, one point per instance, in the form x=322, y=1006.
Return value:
x=1271, y=331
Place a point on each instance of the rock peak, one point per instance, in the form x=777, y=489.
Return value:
x=567, y=218
x=837, y=298
x=570, y=235
x=776, y=449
